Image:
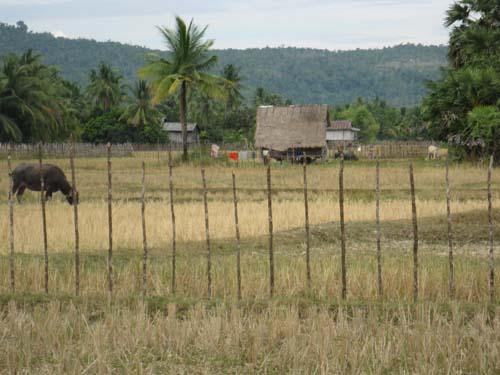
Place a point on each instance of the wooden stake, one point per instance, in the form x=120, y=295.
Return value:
x=270, y=217
x=75, y=218
x=207, y=234
x=11, y=226
x=490, y=225
x=44, y=221
x=144, y=239
x=172, y=213
x=415, y=235
x=451, y=275
x=306, y=213
x=342, y=226
x=110, y=224
x=377, y=225
x=158, y=150
x=238, y=242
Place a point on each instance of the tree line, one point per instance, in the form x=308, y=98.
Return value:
x=395, y=74
x=463, y=107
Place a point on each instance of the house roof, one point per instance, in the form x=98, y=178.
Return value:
x=342, y=125
x=176, y=127
x=281, y=128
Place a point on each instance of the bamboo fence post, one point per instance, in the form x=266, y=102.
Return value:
x=451, y=275
x=144, y=239
x=342, y=226
x=74, y=196
x=415, y=235
x=377, y=225
x=270, y=218
x=238, y=242
x=11, y=226
x=110, y=223
x=172, y=213
x=490, y=236
x=306, y=214
x=207, y=234
x=44, y=221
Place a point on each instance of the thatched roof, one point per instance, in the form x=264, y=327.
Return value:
x=282, y=128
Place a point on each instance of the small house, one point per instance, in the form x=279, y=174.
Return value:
x=174, y=130
x=341, y=131
x=290, y=132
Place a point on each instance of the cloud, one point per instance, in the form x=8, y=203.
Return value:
x=59, y=34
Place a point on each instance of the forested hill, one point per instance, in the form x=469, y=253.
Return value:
x=397, y=74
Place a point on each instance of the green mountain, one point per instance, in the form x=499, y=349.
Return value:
x=396, y=74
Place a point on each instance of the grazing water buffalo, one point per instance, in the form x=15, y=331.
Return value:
x=28, y=176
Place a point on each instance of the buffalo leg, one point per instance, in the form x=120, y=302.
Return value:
x=48, y=195
x=20, y=192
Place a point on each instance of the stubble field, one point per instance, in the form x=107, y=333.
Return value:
x=300, y=330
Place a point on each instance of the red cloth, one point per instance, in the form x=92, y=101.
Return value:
x=233, y=155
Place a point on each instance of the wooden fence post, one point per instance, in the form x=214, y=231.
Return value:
x=74, y=197
x=415, y=235
x=44, y=221
x=172, y=213
x=377, y=225
x=306, y=214
x=207, y=234
x=238, y=242
x=110, y=224
x=158, y=150
x=270, y=217
x=11, y=226
x=342, y=226
x=144, y=239
x=451, y=275
x=490, y=236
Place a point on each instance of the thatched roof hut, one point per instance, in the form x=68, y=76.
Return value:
x=294, y=127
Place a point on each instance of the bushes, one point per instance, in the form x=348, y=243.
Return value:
x=108, y=127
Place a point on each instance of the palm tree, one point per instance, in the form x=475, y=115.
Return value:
x=184, y=68
x=140, y=111
x=475, y=30
x=34, y=104
x=105, y=88
x=232, y=76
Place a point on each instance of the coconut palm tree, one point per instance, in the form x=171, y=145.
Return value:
x=140, y=111
x=105, y=88
x=231, y=74
x=185, y=67
x=34, y=104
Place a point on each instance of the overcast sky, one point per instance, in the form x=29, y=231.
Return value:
x=330, y=24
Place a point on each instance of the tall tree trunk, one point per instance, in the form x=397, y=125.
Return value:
x=182, y=109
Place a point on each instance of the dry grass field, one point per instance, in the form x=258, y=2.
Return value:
x=300, y=330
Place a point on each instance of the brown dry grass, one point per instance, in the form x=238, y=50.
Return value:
x=300, y=330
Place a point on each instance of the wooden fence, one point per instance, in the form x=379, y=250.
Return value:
x=383, y=150
x=63, y=150
x=144, y=286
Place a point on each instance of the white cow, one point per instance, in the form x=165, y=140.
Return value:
x=434, y=152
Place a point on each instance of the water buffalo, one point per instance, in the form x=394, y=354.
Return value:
x=28, y=176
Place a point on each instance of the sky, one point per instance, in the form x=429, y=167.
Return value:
x=324, y=24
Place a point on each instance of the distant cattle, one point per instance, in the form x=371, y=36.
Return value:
x=348, y=155
x=434, y=152
x=28, y=176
